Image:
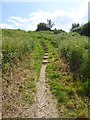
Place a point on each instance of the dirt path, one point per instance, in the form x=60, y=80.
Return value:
x=45, y=102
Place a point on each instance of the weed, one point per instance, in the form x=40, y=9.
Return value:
x=57, y=90
x=29, y=98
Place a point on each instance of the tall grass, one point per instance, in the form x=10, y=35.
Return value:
x=75, y=49
x=17, y=44
x=68, y=73
x=72, y=46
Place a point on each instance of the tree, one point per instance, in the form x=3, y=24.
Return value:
x=50, y=24
x=42, y=26
x=86, y=29
x=83, y=30
x=75, y=25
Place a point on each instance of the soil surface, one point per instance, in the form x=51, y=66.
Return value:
x=45, y=101
x=13, y=106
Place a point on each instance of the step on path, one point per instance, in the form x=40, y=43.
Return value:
x=46, y=54
x=45, y=59
x=45, y=102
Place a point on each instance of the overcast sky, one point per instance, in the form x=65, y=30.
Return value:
x=26, y=14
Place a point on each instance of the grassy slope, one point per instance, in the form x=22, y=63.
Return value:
x=22, y=58
x=70, y=90
x=23, y=51
x=68, y=72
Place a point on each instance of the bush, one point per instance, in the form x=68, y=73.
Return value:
x=75, y=50
x=56, y=31
x=86, y=29
x=75, y=59
x=83, y=30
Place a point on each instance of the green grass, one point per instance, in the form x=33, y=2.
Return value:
x=69, y=93
x=29, y=98
x=54, y=76
x=74, y=48
x=37, y=56
x=28, y=95
x=20, y=46
x=58, y=91
x=17, y=44
x=21, y=49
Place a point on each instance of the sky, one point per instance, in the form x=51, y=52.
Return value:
x=26, y=14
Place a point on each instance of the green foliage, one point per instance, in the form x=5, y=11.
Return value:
x=76, y=52
x=49, y=24
x=86, y=29
x=75, y=25
x=28, y=94
x=45, y=26
x=54, y=75
x=57, y=90
x=82, y=114
x=15, y=48
x=42, y=26
x=70, y=93
x=72, y=46
x=82, y=88
x=37, y=56
x=83, y=30
x=77, y=29
x=57, y=31
x=70, y=90
x=75, y=58
x=29, y=98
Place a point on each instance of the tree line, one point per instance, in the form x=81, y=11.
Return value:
x=76, y=27
x=83, y=29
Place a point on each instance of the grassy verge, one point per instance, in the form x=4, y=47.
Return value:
x=37, y=55
x=22, y=55
x=30, y=89
x=69, y=102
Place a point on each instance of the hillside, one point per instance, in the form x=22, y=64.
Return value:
x=65, y=74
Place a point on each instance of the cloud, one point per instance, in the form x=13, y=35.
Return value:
x=62, y=19
x=81, y=14
x=6, y=26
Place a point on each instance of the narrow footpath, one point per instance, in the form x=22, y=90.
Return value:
x=45, y=101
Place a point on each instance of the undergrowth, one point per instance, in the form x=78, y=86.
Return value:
x=71, y=100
